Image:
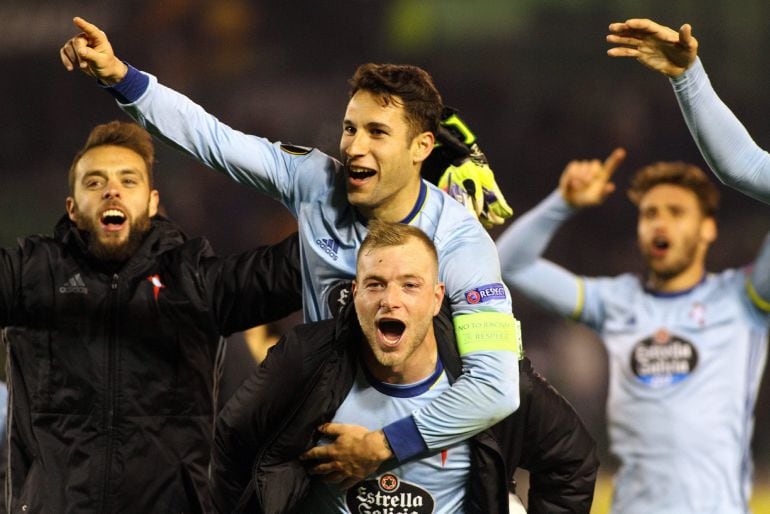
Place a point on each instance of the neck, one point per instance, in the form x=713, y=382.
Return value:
x=687, y=279
x=417, y=366
x=398, y=206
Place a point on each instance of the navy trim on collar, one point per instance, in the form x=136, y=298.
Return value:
x=417, y=205
x=405, y=390
x=676, y=294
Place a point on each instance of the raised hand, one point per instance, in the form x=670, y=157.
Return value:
x=587, y=183
x=656, y=46
x=91, y=52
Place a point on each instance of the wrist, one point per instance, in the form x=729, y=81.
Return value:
x=120, y=72
x=380, y=446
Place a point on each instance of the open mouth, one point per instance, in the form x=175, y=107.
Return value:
x=358, y=173
x=113, y=219
x=660, y=243
x=391, y=330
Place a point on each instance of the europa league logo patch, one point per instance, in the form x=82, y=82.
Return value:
x=663, y=359
x=388, y=495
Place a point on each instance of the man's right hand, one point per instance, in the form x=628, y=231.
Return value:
x=91, y=52
x=658, y=47
x=587, y=183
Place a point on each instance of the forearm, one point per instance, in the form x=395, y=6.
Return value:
x=186, y=126
x=486, y=392
x=528, y=237
x=725, y=143
x=520, y=248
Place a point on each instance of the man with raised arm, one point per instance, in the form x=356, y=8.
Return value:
x=724, y=142
x=387, y=132
x=686, y=347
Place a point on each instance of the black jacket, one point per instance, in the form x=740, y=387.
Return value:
x=273, y=417
x=111, y=371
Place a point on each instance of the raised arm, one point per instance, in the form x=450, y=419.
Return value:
x=725, y=143
x=582, y=184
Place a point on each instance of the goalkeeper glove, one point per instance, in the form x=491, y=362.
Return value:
x=467, y=176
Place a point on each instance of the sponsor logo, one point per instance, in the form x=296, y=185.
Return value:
x=485, y=293
x=663, y=359
x=74, y=285
x=388, y=494
x=330, y=246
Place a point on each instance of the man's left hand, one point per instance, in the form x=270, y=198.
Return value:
x=355, y=453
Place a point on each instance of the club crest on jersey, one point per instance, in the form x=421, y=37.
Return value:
x=663, y=359
x=485, y=293
x=387, y=494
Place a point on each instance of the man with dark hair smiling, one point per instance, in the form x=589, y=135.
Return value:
x=112, y=327
x=388, y=131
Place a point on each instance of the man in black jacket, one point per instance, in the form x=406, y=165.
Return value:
x=112, y=327
x=383, y=357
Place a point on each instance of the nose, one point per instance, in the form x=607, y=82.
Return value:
x=357, y=145
x=112, y=190
x=390, y=298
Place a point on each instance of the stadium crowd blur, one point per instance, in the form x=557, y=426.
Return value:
x=531, y=78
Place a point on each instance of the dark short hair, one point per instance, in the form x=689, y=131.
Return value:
x=384, y=234
x=406, y=85
x=118, y=133
x=679, y=174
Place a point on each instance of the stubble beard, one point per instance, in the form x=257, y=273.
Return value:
x=114, y=251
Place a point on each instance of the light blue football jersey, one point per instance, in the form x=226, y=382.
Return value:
x=435, y=483
x=684, y=374
x=311, y=185
x=684, y=369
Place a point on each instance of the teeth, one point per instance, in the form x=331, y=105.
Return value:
x=112, y=212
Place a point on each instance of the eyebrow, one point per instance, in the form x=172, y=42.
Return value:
x=123, y=172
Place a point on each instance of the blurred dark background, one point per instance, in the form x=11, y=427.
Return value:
x=530, y=76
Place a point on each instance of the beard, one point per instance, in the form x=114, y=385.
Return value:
x=114, y=251
x=679, y=264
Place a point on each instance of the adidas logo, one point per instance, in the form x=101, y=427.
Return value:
x=330, y=246
x=74, y=285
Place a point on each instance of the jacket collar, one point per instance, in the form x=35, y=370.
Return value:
x=162, y=236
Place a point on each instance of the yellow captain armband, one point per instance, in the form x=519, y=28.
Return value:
x=757, y=300
x=484, y=331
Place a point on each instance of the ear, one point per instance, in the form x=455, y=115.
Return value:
x=70, y=206
x=422, y=146
x=353, y=288
x=439, y=290
x=708, y=230
x=154, y=201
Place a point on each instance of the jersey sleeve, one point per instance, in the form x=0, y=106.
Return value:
x=724, y=142
x=758, y=280
x=523, y=268
x=270, y=167
x=488, y=340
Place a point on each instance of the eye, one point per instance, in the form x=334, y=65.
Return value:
x=130, y=181
x=348, y=130
x=374, y=286
x=376, y=132
x=93, y=183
